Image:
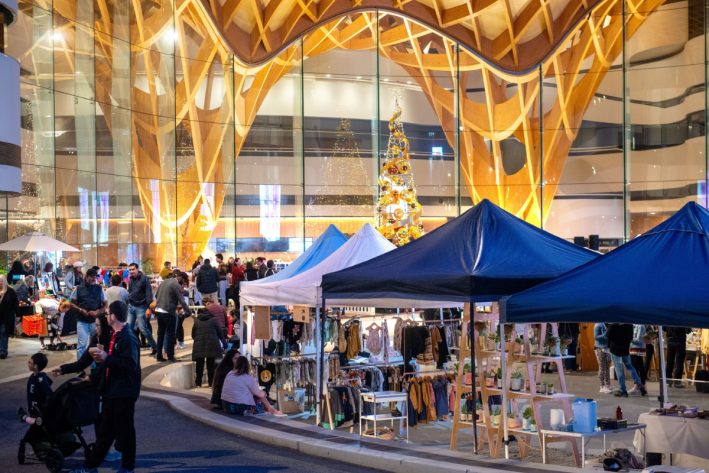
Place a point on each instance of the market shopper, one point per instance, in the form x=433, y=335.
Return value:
x=166, y=269
x=101, y=337
x=208, y=280
x=208, y=344
x=676, y=353
x=90, y=300
x=9, y=314
x=222, y=269
x=118, y=378
x=49, y=270
x=220, y=315
x=619, y=338
x=74, y=278
x=225, y=366
x=241, y=394
x=571, y=331
x=24, y=288
x=261, y=266
x=269, y=269
x=251, y=273
x=53, y=312
x=168, y=298
x=637, y=351
x=117, y=292
x=16, y=273
x=140, y=295
x=603, y=355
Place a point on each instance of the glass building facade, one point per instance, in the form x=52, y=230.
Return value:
x=145, y=139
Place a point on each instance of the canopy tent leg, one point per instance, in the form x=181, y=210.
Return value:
x=665, y=398
x=318, y=381
x=321, y=358
x=471, y=338
x=505, y=438
x=242, y=335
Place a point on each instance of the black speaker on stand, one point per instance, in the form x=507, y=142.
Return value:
x=593, y=242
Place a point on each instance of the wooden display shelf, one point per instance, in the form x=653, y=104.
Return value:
x=485, y=359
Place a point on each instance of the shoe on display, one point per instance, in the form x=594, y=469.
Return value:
x=634, y=392
x=621, y=394
x=113, y=455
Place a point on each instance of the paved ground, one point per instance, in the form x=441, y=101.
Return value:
x=167, y=441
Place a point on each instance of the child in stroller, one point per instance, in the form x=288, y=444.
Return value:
x=56, y=424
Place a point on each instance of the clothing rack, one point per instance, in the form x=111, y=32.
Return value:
x=287, y=356
x=373, y=365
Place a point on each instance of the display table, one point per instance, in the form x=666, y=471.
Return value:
x=587, y=435
x=671, y=435
x=383, y=397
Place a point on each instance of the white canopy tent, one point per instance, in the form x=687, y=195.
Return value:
x=304, y=289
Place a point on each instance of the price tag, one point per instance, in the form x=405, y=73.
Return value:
x=301, y=313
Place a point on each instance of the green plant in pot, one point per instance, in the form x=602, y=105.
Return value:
x=550, y=389
x=495, y=414
x=499, y=378
x=464, y=413
x=552, y=343
x=533, y=425
x=564, y=348
x=479, y=411
x=468, y=374
x=480, y=327
x=512, y=419
x=517, y=382
x=490, y=379
x=526, y=418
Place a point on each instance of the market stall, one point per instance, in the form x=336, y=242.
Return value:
x=673, y=434
x=303, y=289
x=480, y=256
x=657, y=278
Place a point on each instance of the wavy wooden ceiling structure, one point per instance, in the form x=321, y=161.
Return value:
x=514, y=35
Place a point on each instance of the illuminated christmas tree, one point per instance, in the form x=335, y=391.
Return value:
x=345, y=176
x=398, y=211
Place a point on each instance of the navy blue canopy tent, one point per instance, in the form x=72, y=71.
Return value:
x=658, y=278
x=483, y=255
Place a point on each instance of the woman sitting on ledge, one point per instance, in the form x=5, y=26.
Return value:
x=241, y=394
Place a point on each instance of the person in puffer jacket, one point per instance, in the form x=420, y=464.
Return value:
x=208, y=339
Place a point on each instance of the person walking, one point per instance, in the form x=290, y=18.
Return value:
x=251, y=273
x=637, y=351
x=118, y=377
x=208, y=343
x=676, y=353
x=619, y=338
x=603, y=355
x=140, y=295
x=9, y=314
x=168, y=298
x=649, y=349
x=208, y=280
x=90, y=300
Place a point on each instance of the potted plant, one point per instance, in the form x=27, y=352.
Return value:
x=512, y=420
x=552, y=343
x=481, y=327
x=567, y=340
x=464, y=413
x=517, y=381
x=564, y=348
x=526, y=419
x=542, y=388
x=499, y=378
x=534, y=345
x=490, y=379
x=468, y=374
x=550, y=389
x=496, y=411
x=479, y=411
x=519, y=343
x=492, y=340
x=533, y=425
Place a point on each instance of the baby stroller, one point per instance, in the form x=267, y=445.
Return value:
x=58, y=424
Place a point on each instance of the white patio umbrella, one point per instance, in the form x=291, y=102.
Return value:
x=35, y=242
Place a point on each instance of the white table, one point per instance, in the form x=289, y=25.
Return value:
x=674, y=434
x=383, y=396
x=589, y=435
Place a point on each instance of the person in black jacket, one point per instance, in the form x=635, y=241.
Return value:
x=102, y=337
x=9, y=314
x=225, y=366
x=208, y=342
x=16, y=273
x=208, y=280
x=251, y=273
x=676, y=353
x=118, y=379
x=619, y=338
